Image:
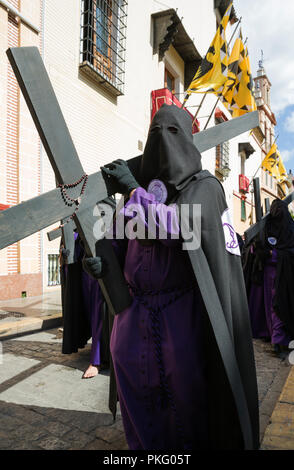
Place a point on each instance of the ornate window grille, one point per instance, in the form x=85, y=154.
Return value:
x=103, y=42
x=53, y=270
x=222, y=158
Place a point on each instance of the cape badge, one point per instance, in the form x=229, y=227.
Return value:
x=231, y=240
x=158, y=189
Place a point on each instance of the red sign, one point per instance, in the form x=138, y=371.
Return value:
x=164, y=95
x=243, y=184
x=3, y=207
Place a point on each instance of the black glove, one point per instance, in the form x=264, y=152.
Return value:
x=65, y=253
x=95, y=267
x=121, y=174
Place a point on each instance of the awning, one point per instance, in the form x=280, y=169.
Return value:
x=247, y=148
x=168, y=29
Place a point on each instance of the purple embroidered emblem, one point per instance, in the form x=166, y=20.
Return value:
x=231, y=240
x=233, y=243
x=158, y=189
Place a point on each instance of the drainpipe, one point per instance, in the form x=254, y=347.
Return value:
x=41, y=147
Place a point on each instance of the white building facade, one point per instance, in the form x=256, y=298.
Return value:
x=106, y=59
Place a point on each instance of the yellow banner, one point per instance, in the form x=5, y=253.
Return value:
x=234, y=72
x=243, y=99
x=273, y=163
x=213, y=71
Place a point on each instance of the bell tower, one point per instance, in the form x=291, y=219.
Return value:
x=263, y=102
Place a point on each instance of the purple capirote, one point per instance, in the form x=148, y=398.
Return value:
x=264, y=320
x=156, y=343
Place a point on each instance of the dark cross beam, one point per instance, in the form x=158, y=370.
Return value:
x=257, y=200
x=267, y=205
x=69, y=240
x=255, y=229
x=40, y=212
x=67, y=234
x=54, y=234
x=67, y=230
x=37, y=90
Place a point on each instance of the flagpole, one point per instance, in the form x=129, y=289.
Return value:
x=261, y=163
x=197, y=112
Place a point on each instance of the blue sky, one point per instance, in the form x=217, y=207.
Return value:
x=285, y=131
x=268, y=25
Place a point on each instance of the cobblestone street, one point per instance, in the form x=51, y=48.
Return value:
x=44, y=404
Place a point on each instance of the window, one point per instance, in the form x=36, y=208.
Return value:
x=222, y=157
x=53, y=270
x=103, y=37
x=169, y=81
x=223, y=160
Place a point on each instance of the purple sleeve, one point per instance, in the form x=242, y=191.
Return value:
x=153, y=219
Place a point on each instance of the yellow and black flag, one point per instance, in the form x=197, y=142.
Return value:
x=273, y=163
x=213, y=71
x=243, y=98
x=271, y=160
x=282, y=170
x=234, y=72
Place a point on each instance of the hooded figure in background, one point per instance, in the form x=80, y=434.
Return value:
x=85, y=312
x=269, y=274
x=182, y=352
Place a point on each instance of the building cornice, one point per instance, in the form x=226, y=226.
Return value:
x=268, y=113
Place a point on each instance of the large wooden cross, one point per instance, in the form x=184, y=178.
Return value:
x=33, y=215
x=255, y=229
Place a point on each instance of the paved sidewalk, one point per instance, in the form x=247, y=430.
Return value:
x=44, y=403
x=279, y=434
x=30, y=314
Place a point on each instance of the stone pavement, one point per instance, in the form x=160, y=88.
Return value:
x=279, y=434
x=44, y=403
x=29, y=314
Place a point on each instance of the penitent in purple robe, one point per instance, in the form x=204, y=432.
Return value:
x=265, y=322
x=92, y=302
x=156, y=343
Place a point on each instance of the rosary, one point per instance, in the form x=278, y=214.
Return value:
x=70, y=201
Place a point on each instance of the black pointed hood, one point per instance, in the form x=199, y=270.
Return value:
x=280, y=225
x=170, y=154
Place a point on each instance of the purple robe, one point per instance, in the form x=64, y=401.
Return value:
x=156, y=343
x=92, y=301
x=264, y=320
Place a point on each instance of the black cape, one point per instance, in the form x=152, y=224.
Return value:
x=234, y=419
x=170, y=155
x=76, y=324
x=279, y=225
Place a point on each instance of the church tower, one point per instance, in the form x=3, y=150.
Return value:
x=262, y=97
x=270, y=189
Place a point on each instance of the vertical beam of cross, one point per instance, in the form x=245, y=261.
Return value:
x=39, y=95
x=267, y=205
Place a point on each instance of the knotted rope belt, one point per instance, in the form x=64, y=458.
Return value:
x=165, y=391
